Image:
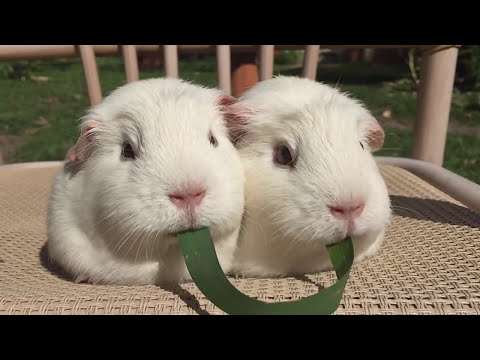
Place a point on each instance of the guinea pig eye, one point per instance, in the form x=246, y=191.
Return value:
x=284, y=155
x=362, y=145
x=213, y=139
x=127, y=151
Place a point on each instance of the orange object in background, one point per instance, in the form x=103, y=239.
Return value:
x=150, y=62
x=244, y=72
x=244, y=77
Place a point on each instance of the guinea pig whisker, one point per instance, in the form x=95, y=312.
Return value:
x=279, y=233
x=154, y=244
x=112, y=239
x=255, y=223
x=148, y=244
x=338, y=81
x=276, y=222
x=404, y=208
x=302, y=231
x=242, y=227
x=132, y=245
x=122, y=241
x=120, y=222
x=285, y=232
x=254, y=207
x=157, y=246
x=280, y=228
x=140, y=245
x=291, y=244
x=314, y=236
x=106, y=217
x=247, y=213
x=144, y=237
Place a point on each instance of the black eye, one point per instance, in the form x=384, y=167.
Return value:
x=362, y=145
x=213, y=139
x=127, y=151
x=284, y=155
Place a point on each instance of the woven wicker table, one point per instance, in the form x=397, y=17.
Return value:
x=429, y=263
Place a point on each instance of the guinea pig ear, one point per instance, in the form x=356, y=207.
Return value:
x=85, y=143
x=236, y=117
x=374, y=134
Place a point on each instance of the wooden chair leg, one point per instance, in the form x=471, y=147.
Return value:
x=130, y=62
x=91, y=74
x=171, y=60
x=310, y=61
x=437, y=77
x=224, y=68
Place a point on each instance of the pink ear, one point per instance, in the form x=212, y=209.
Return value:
x=71, y=154
x=227, y=100
x=84, y=146
x=375, y=136
x=236, y=116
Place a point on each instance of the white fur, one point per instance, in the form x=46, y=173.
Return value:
x=287, y=221
x=109, y=220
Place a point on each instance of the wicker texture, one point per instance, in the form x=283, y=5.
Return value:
x=429, y=263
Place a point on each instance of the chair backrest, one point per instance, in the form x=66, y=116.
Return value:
x=434, y=93
x=170, y=55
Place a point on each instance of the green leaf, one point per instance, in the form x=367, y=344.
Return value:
x=202, y=263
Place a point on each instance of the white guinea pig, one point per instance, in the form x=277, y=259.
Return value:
x=311, y=179
x=153, y=158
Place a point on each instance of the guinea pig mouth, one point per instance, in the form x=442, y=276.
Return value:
x=189, y=220
x=189, y=226
x=338, y=235
x=175, y=234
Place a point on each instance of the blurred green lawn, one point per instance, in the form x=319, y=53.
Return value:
x=44, y=114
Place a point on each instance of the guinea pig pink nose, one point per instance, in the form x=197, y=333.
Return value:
x=190, y=197
x=347, y=211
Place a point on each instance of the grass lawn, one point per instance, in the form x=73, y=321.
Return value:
x=38, y=118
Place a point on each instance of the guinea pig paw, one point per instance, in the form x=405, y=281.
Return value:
x=79, y=279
